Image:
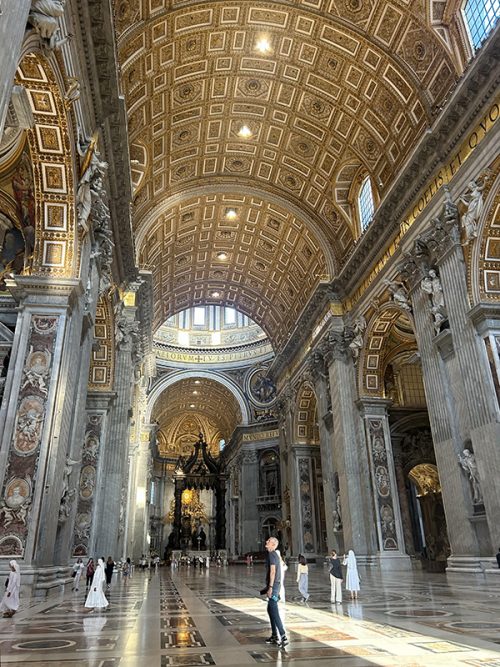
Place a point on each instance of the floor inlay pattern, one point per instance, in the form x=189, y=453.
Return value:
x=190, y=618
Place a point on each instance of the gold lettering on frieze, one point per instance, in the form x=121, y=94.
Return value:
x=264, y=435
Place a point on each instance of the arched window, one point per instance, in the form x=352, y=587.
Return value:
x=481, y=17
x=366, y=205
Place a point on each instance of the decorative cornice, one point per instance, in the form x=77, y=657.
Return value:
x=477, y=86
x=98, y=40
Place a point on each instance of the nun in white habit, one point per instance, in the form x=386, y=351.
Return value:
x=352, y=577
x=96, y=598
x=10, y=600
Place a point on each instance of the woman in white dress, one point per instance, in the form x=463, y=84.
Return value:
x=10, y=600
x=352, y=577
x=96, y=598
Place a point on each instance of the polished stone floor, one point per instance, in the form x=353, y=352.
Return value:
x=215, y=617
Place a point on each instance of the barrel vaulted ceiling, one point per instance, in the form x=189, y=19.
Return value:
x=345, y=88
x=181, y=414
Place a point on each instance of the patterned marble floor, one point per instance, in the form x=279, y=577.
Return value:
x=215, y=617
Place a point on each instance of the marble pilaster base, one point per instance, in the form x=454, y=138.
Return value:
x=392, y=561
x=468, y=567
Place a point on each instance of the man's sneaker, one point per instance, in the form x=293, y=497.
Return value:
x=272, y=640
x=283, y=642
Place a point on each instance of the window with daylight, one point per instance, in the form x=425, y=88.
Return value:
x=366, y=204
x=481, y=17
x=199, y=316
x=229, y=316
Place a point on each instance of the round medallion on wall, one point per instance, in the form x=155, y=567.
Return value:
x=260, y=388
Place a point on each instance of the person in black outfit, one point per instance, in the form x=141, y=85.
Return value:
x=110, y=565
x=498, y=557
x=273, y=583
x=336, y=577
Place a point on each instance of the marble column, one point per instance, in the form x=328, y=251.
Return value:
x=458, y=386
x=349, y=447
x=12, y=28
x=41, y=390
x=391, y=547
x=403, y=497
x=115, y=450
x=250, y=529
x=319, y=376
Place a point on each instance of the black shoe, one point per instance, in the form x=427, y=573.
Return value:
x=283, y=642
x=272, y=640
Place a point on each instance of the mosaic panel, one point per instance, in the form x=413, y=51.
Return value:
x=18, y=492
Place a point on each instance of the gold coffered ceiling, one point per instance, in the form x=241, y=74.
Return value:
x=181, y=414
x=346, y=87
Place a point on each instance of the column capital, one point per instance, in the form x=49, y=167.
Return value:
x=374, y=407
x=44, y=290
x=485, y=316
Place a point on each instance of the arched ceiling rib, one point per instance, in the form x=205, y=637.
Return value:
x=345, y=82
x=180, y=413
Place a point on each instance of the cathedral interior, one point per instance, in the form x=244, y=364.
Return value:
x=250, y=287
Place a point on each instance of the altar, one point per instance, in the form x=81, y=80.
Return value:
x=201, y=471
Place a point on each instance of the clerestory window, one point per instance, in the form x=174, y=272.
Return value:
x=481, y=17
x=366, y=204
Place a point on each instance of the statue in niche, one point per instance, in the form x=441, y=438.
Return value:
x=399, y=294
x=356, y=343
x=473, y=200
x=337, y=513
x=432, y=285
x=468, y=462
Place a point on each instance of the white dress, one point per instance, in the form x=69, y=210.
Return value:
x=352, y=577
x=11, y=602
x=96, y=598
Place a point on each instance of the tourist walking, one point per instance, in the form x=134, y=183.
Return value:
x=10, y=600
x=498, y=558
x=273, y=584
x=96, y=598
x=352, y=577
x=336, y=578
x=110, y=566
x=90, y=572
x=303, y=578
x=78, y=568
x=126, y=570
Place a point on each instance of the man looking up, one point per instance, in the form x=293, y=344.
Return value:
x=273, y=583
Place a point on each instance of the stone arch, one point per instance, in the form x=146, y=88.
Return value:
x=371, y=364
x=51, y=146
x=484, y=260
x=102, y=360
x=166, y=381
x=305, y=428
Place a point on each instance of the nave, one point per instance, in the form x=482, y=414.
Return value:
x=215, y=617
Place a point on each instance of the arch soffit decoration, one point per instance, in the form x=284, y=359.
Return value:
x=52, y=149
x=212, y=400
x=102, y=360
x=372, y=357
x=329, y=85
x=272, y=263
x=484, y=261
x=165, y=382
x=306, y=408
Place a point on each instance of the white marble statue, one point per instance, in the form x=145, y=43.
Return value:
x=359, y=329
x=44, y=15
x=399, y=293
x=473, y=200
x=468, y=462
x=90, y=182
x=432, y=285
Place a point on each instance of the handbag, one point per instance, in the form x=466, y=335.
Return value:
x=73, y=574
